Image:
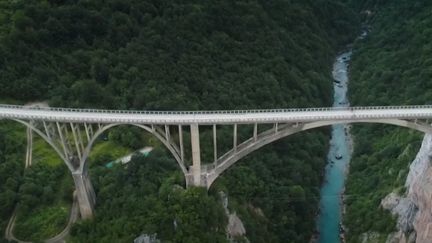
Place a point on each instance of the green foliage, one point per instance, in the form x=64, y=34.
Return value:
x=145, y=197
x=374, y=173
x=44, y=201
x=11, y=168
x=130, y=137
x=43, y=192
x=161, y=55
x=43, y=222
x=276, y=194
x=189, y=54
x=43, y=152
x=399, y=49
x=105, y=152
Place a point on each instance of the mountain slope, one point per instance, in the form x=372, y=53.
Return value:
x=187, y=55
x=391, y=67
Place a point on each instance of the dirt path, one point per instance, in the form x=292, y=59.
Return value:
x=73, y=217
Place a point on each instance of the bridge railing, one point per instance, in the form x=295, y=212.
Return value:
x=147, y=112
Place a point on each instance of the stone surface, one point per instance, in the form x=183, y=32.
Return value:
x=235, y=226
x=401, y=237
x=404, y=208
x=414, y=210
x=145, y=238
x=85, y=194
x=396, y=237
x=370, y=237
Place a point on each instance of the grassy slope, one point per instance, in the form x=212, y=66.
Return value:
x=109, y=151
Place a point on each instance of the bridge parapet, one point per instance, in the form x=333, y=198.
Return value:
x=187, y=118
x=191, y=112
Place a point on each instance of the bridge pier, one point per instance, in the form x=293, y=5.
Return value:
x=85, y=193
x=196, y=157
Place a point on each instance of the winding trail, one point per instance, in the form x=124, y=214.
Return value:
x=73, y=217
x=9, y=229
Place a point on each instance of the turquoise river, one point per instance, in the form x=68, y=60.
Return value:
x=329, y=220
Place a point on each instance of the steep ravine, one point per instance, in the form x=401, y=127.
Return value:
x=330, y=217
x=414, y=209
x=389, y=69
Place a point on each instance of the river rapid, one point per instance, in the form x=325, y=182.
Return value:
x=338, y=158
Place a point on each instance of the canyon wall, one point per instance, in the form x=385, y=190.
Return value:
x=414, y=208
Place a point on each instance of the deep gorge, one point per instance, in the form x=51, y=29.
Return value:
x=193, y=55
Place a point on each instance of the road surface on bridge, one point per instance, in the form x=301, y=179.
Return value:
x=215, y=117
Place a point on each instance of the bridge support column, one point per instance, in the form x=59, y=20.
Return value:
x=235, y=137
x=196, y=155
x=215, y=156
x=180, y=129
x=85, y=193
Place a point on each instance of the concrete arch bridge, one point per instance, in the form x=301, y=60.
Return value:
x=72, y=132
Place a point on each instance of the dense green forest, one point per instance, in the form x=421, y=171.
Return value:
x=134, y=54
x=164, y=55
x=12, y=149
x=400, y=49
x=44, y=196
x=145, y=197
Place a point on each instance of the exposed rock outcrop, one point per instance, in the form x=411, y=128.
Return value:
x=401, y=237
x=235, y=227
x=370, y=237
x=145, y=238
x=404, y=208
x=415, y=209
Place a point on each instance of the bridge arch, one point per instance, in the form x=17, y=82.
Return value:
x=84, y=189
x=97, y=134
x=105, y=128
x=269, y=136
x=49, y=141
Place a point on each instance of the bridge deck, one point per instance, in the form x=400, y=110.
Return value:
x=215, y=117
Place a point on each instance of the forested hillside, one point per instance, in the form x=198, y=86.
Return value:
x=11, y=167
x=393, y=66
x=165, y=55
x=185, y=55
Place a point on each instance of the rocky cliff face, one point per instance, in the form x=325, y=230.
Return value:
x=415, y=209
x=235, y=227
